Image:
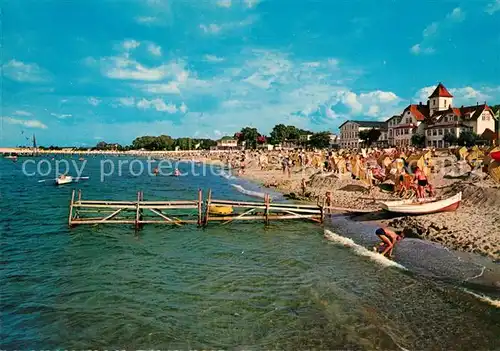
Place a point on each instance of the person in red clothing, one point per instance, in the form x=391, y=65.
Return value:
x=422, y=182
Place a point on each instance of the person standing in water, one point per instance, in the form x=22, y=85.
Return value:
x=388, y=239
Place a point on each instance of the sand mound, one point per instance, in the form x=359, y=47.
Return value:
x=477, y=194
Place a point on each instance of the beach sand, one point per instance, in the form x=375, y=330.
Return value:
x=474, y=227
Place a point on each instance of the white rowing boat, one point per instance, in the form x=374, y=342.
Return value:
x=425, y=206
x=64, y=180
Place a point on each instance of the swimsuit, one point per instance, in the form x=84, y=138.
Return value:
x=422, y=182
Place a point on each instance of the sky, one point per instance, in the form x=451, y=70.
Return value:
x=83, y=71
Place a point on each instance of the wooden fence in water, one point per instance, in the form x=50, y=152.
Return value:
x=179, y=212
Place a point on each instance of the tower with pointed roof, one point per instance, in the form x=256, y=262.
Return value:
x=440, y=99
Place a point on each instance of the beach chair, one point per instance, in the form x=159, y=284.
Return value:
x=406, y=188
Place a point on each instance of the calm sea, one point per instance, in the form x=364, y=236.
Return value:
x=239, y=286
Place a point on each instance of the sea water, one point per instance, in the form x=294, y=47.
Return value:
x=289, y=285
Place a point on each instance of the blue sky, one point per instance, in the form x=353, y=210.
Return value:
x=77, y=72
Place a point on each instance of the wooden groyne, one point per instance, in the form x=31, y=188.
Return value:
x=179, y=212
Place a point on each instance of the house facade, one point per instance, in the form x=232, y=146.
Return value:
x=435, y=119
x=349, y=132
x=409, y=124
x=446, y=119
x=227, y=144
x=391, y=123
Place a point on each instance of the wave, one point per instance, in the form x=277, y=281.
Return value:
x=493, y=302
x=360, y=250
x=227, y=175
x=248, y=192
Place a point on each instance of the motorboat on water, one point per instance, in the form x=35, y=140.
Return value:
x=64, y=179
x=423, y=206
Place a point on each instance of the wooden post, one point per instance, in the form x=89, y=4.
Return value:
x=266, y=201
x=137, y=210
x=141, y=209
x=70, y=217
x=322, y=209
x=207, y=206
x=200, y=199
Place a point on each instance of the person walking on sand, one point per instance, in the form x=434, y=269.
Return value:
x=422, y=182
x=388, y=239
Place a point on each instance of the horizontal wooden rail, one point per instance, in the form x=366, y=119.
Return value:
x=178, y=212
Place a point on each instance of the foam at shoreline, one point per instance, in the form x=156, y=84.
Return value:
x=360, y=250
x=248, y=192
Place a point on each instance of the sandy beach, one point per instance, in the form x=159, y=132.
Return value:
x=474, y=227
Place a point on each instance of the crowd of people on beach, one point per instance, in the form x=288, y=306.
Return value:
x=372, y=166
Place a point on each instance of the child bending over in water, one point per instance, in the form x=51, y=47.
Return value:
x=389, y=239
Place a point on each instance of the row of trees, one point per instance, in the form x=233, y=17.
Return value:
x=280, y=134
x=167, y=143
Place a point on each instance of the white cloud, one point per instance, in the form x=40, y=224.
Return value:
x=493, y=7
x=61, y=115
x=457, y=15
x=463, y=95
x=120, y=67
x=373, y=111
x=333, y=62
x=469, y=95
x=157, y=104
x=211, y=28
x=146, y=19
x=24, y=72
x=130, y=44
x=23, y=113
x=311, y=64
x=183, y=108
x=93, y=101
x=380, y=96
x=251, y=3
x=168, y=88
x=417, y=50
x=350, y=99
x=214, y=28
x=432, y=31
x=26, y=123
x=213, y=58
x=231, y=103
x=224, y=3
x=424, y=93
x=154, y=49
x=265, y=87
x=126, y=101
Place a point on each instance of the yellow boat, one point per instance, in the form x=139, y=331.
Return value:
x=220, y=210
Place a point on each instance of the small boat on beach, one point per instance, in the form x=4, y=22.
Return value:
x=495, y=155
x=425, y=206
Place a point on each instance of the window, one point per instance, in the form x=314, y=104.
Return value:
x=428, y=132
x=406, y=131
x=434, y=132
x=433, y=102
x=444, y=103
x=440, y=131
x=484, y=117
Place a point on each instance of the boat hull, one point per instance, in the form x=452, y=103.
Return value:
x=495, y=155
x=66, y=180
x=406, y=207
